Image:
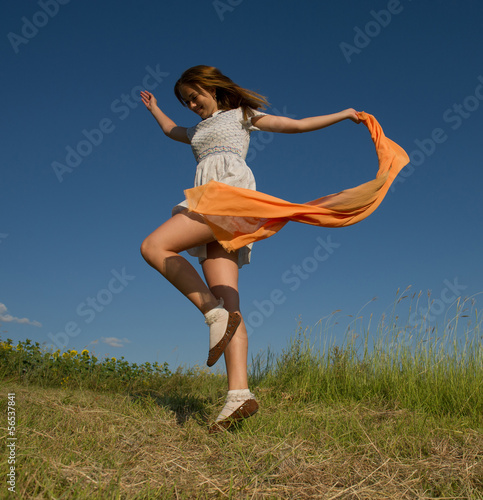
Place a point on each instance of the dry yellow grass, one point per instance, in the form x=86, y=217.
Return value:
x=82, y=444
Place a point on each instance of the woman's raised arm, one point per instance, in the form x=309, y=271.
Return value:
x=271, y=123
x=168, y=126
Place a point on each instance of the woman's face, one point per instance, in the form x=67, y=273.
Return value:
x=200, y=101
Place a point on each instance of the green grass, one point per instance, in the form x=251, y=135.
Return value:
x=397, y=413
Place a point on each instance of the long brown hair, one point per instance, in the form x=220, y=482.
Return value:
x=229, y=95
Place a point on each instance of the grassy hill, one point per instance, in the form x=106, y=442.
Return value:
x=396, y=420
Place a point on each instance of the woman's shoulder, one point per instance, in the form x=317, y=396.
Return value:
x=244, y=115
x=228, y=115
x=231, y=111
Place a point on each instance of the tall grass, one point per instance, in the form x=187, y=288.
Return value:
x=415, y=367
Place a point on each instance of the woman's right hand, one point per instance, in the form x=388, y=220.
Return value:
x=149, y=100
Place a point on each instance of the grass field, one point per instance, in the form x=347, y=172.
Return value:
x=397, y=414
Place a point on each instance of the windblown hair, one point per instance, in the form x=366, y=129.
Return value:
x=229, y=95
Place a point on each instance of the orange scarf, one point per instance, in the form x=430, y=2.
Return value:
x=239, y=216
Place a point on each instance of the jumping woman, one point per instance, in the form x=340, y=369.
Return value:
x=216, y=221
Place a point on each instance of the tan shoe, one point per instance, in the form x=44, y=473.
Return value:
x=234, y=319
x=245, y=410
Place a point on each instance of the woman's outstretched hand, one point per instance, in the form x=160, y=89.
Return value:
x=149, y=100
x=352, y=115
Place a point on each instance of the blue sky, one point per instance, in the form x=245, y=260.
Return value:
x=71, y=274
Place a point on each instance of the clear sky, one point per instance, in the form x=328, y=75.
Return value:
x=86, y=173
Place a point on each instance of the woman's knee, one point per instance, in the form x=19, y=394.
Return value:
x=151, y=248
x=145, y=249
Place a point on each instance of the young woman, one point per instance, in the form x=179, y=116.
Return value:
x=219, y=142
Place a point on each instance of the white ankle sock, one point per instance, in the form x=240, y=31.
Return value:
x=217, y=319
x=234, y=400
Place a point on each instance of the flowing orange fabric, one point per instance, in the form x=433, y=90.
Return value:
x=239, y=216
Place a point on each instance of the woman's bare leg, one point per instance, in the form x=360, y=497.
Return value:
x=161, y=250
x=221, y=273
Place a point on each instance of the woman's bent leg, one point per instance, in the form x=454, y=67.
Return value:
x=161, y=250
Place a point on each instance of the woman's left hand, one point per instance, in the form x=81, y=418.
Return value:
x=352, y=115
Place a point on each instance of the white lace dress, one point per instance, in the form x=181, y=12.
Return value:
x=220, y=144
